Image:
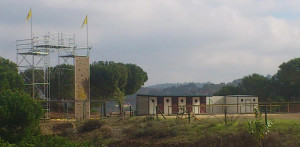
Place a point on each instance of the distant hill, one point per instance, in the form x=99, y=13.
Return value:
x=207, y=88
x=167, y=85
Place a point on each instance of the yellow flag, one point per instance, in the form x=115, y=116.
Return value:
x=29, y=15
x=85, y=21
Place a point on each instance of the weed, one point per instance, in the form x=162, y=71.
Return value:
x=90, y=125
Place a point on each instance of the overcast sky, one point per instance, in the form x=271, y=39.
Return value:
x=172, y=40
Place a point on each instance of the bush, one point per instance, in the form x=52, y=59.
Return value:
x=107, y=131
x=91, y=125
x=6, y=144
x=19, y=115
x=50, y=141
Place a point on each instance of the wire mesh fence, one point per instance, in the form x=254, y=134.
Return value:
x=60, y=109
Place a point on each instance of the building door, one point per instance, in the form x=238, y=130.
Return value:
x=167, y=105
x=196, y=105
x=181, y=104
x=152, y=105
x=247, y=105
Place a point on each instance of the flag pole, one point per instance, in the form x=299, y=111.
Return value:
x=87, y=34
x=31, y=25
x=31, y=37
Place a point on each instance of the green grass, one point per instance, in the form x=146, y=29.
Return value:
x=146, y=131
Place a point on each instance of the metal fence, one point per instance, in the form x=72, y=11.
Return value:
x=66, y=109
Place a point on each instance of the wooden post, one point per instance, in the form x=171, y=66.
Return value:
x=270, y=108
x=67, y=112
x=266, y=118
x=156, y=112
x=288, y=107
x=225, y=117
x=189, y=114
x=130, y=111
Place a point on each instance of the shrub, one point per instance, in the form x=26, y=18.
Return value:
x=258, y=128
x=50, y=141
x=6, y=144
x=19, y=115
x=91, y=125
x=107, y=131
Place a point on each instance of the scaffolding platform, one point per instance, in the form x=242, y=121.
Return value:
x=33, y=61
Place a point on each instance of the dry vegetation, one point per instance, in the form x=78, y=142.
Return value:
x=149, y=131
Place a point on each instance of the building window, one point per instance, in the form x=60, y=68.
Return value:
x=253, y=100
x=181, y=100
x=196, y=100
x=152, y=101
x=242, y=100
x=167, y=100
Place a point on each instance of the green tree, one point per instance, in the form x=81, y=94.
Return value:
x=257, y=85
x=9, y=77
x=109, y=79
x=258, y=128
x=229, y=90
x=104, y=81
x=19, y=115
x=288, y=80
x=119, y=96
x=62, y=82
x=136, y=79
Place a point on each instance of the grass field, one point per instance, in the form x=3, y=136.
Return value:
x=209, y=130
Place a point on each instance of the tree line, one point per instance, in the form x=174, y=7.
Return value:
x=109, y=81
x=282, y=86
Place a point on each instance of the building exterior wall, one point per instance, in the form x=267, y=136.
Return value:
x=232, y=104
x=152, y=105
x=196, y=105
x=160, y=103
x=208, y=104
x=168, y=105
x=189, y=104
x=174, y=105
x=82, y=88
x=214, y=104
x=181, y=104
x=203, y=104
x=142, y=105
x=241, y=104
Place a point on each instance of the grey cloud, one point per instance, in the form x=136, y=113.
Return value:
x=173, y=40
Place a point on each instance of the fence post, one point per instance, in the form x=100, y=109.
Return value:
x=266, y=118
x=189, y=114
x=156, y=112
x=130, y=111
x=67, y=112
x=288, y=107
x=225, y=116
x=270, y=108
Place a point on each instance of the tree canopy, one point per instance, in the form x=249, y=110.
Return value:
x=109, y=78
x=17, y=119
x=288, y=78
x=62, y=82
x=9, y=77
x=283, y=86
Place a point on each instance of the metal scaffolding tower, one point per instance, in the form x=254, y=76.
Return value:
x=33, y=60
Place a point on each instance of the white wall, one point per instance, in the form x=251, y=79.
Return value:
x=213, y=101
x=233, y=104
x=196, y=105
x=152, y=105
x=168, y=105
